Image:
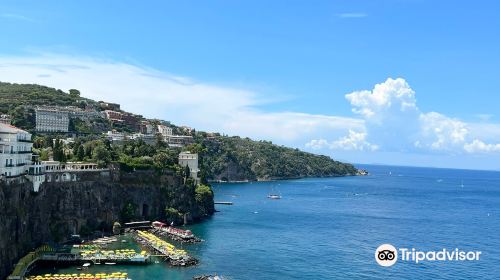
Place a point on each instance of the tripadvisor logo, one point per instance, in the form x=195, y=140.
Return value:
x=387, y=255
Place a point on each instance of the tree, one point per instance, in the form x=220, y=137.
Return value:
x=74, y=93
x=44, y=155
x=102, y=156
x=187, y=171
x=80, y=155
x=88, y=151
x=58, y=151
x=173, y=215
x=204, y=197
x=76, y=146
x=160, y=160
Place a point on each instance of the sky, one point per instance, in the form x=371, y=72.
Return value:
x=404, y=82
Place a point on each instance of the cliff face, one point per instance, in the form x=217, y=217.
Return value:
x=29, y=219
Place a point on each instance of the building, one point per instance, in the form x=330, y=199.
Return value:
x=36, y=174
x=5, y=119
x=178, y=140
x=52, y=119
x=16, y=157
x=165, y=130
x=128, y=119
x=75, y=112
x=149, y=139
x=56, y=171
x=15, y=151
x=190, y=160
x=114, y=115
x=109, y=106
x=147, y=128
x=115, y=136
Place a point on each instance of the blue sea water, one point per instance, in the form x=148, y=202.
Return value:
x=329, y=228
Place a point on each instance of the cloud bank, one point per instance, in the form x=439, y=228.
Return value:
x=394, y=123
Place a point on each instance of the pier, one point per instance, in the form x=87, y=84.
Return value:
x=176, y=257
x=224, y=202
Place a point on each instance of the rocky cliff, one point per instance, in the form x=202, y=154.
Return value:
x=29, y=219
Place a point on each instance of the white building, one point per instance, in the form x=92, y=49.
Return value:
x=16, y=157
x=149, y=139
x=15, y=151
x=52, y=119
x=36, y=174
x=115, y=136
x=178, y=140
x=165, y=130
x=191, y=160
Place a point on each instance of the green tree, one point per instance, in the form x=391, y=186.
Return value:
x=187, y=172
x=74, y=93
x=204, y=197
x=44, y=155
x=80, y=155
x=173, y=215
x=102, y=156
x=160, y=160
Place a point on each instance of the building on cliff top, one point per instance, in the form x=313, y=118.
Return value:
x=52, y=119
x=190, y=160
x=16, y=157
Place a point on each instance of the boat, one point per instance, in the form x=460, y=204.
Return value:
x=86, y=265
x=110, y=263
x=273, y=194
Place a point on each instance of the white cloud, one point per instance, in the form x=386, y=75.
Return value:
x=385, y=98
x=355, y=141
x=317, y=144
x=478, y=146
x=181, y=100
x=441, y=132
x=394, y=122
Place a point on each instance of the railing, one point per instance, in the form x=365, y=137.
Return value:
x=15, y=152
x=24, y=263
x=24, y=140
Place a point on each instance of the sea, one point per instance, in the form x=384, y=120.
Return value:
x=329, y=228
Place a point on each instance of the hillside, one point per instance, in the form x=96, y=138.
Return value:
x=222, y=158
x=236, y=159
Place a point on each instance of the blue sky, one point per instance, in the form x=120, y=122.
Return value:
x=270, y=59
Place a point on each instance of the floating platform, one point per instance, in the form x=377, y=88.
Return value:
x=224, y=202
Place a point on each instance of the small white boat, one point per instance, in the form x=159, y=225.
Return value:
x=110, y=263
x=274, y=196
x=86, y=265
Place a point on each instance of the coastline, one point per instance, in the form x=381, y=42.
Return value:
x=285, y=178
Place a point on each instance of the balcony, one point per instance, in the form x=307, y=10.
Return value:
x=15, y=176
x=10, y=165
x=21, y=164
x=24, y=140
x=24, y=152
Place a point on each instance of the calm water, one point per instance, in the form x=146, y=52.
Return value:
x=329, y=228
